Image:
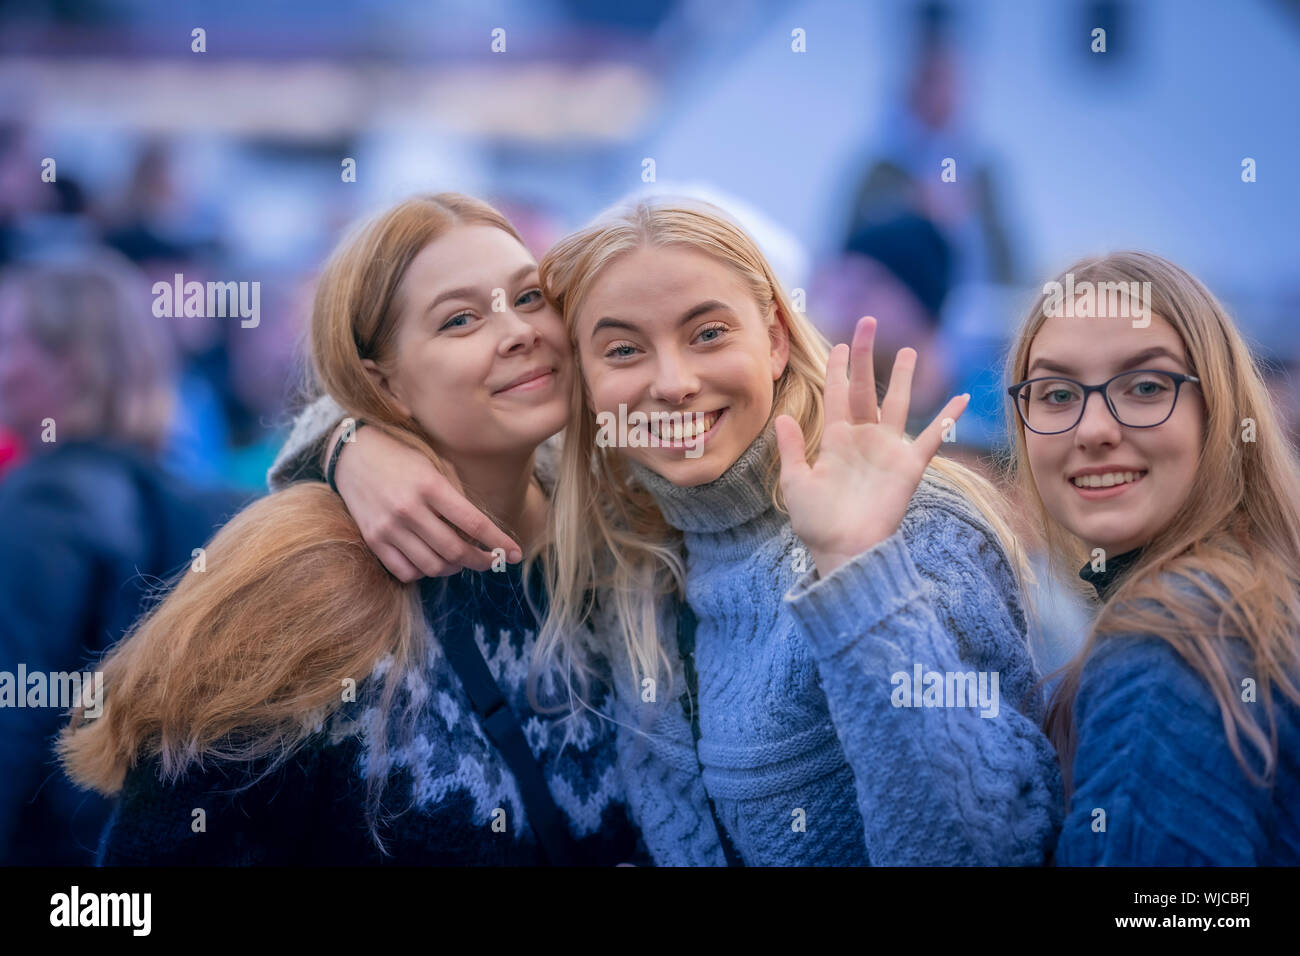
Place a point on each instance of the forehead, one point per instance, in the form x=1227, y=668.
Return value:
x=1097, y=345
x=471, y=255
x=653, y=283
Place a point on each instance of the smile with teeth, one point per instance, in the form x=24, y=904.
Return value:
x=681, y=427
x=1107, y=480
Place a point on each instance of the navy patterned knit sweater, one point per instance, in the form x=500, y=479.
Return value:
x=444, y=790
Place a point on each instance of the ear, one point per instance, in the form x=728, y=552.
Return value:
x=780, y=339
x=382, y=383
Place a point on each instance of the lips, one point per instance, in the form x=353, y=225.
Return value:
x=524, y=379
x=1107, y=479
x=685, y=426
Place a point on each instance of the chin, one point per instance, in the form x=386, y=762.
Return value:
x=683, y=472
x=1110, y=539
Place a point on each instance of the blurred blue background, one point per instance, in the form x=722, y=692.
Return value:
x=226, y=163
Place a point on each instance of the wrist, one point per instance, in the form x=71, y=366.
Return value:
x=825, y=562
x=343, y=435
x=832, y=556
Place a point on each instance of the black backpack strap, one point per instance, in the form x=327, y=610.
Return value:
x=686, y=624
x=502, y=727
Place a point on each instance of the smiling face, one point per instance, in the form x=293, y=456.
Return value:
x=1146, y=474
x=480, y=360
x=671, y=330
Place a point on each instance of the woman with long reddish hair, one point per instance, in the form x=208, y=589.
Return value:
x=290, y=701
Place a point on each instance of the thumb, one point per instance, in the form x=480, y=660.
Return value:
x=789, y=443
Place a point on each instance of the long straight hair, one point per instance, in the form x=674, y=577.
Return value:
x=609, y=538
x=248, y=658
x=1227, y=564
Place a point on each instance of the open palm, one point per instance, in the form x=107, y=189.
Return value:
x=867, y=469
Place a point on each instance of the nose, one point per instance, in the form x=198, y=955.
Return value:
x=517, y=335
x=675, y=379
x=1098, y=427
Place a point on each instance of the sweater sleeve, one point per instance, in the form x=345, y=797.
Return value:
x=973, y=782
x=246, y=819
x=300, y=457
x=1155, y=782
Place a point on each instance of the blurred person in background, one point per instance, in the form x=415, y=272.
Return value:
x=900, y=271
x=90, y=521
x=165, y=230
x=925, y=130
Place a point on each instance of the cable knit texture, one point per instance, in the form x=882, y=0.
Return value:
x=1153, y=757
x=803, y=751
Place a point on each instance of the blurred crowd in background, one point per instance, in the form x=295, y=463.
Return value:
x=143, y=140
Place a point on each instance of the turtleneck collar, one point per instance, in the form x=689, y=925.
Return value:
x=1106, y=581
x=738, y=496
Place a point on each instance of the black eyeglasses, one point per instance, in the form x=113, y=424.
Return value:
x=1143, y=398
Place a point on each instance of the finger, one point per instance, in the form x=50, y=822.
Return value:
x=790, y=446
x=453, y=507
x=397, y=564
x=447, y=545
x=837, y=385
x=893, y=411
x=863, y=404
x=431, y=564
x=930, y=439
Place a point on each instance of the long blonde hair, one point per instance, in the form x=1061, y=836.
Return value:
x=246, y=659
x=609, y=538
x=1239, y=529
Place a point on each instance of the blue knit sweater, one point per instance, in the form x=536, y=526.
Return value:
x=806, y=750
x=1155, y=782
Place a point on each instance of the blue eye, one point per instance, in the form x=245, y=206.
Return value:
x=713, y=328
x=532, y=297
x=453, y=324
x=615, y=351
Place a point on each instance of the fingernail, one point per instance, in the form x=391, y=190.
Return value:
x=515, y=556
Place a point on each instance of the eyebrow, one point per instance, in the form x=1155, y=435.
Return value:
x=468, y=292
x=1133, y=361
x=694, y=313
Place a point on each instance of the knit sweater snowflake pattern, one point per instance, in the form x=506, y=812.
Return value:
x=449, y=799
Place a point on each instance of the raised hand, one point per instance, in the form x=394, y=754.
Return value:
x=867, y=469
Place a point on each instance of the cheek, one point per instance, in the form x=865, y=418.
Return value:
x=439, y=376
x=1046, y=464
x=1181, y=449
x=606, y=388
x=736, y=371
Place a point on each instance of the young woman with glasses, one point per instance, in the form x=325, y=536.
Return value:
x=1153, y=453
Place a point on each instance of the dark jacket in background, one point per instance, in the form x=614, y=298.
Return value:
x=86, y=531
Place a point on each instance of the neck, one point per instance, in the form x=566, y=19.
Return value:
x=736, y=498
x=503, y=487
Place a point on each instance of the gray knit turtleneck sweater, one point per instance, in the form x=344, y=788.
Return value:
x=825, y=739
